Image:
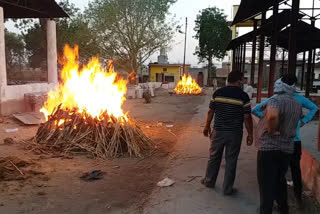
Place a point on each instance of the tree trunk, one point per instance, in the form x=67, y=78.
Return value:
x=134, y=70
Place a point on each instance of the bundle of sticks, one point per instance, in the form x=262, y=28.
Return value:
x=72, y=132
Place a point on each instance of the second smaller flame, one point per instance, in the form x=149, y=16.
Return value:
x=187, y=85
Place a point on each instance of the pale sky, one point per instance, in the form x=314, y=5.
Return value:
x=190, y=9
x=182, y=9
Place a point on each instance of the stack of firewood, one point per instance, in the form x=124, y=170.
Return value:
x=69, y=131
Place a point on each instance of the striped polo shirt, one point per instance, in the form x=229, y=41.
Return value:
x=229, y=104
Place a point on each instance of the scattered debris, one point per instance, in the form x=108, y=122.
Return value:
x=30, y=118
x=62, y=156
x=169, y=130
x=290, y=183
x=16, y=168
x=41, y=193
x=45, y=178
x=8, y=141
x=91, y=176
x=165, y=182
x=195, y=157
x=11, y=130
x=36, y=172
x=159, y=124
x=307, y=193
x=191, y=178
x=10, y=169
x=148, y=156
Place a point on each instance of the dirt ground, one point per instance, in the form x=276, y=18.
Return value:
x=40, y=183
x=51, y=184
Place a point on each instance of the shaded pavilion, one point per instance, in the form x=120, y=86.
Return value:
x=12, y=95
x=284, y=29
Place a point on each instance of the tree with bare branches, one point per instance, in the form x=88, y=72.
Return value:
x=130, y=31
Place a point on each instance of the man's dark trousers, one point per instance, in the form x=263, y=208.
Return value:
x=231, y=142
x=296, y=170
x=271, y=168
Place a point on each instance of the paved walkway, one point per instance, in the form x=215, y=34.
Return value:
x=187, y=167
x=309, y=137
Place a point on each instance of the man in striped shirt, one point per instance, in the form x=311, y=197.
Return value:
x=229, y=107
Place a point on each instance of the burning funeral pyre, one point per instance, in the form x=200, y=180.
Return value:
x=187, y=86
x=84, y=113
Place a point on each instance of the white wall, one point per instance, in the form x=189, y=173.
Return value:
x=16, y=92
x=12, y=96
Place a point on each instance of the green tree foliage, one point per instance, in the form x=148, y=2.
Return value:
x=76, y=32
x=36, y=46
x=73, y=30
x=214, y=35
x=130, y=31
x=126, y=31
x=15, y=54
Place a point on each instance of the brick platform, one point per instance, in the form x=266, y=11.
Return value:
x=310, y=170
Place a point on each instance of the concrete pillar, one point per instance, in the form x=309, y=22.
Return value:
x=273, y=52
x=233, y=59
x=302, y=72
x=261, y=60
x=254, y=52
x=233, y=54
x=243, y=68
x=52, y=52
x=3, y=69
x=292, y=58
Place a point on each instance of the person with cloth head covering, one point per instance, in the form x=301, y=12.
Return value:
x=274, y=137
x=296, y=157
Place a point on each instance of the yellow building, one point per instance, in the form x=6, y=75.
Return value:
x=166, y=72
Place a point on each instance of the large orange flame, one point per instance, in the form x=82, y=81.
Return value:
x=187, y=85
x=90, y=89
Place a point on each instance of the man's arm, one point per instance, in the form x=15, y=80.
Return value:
x=249, y=126
x=257, y=110
x=306, y=103
x=207, y=129
x=248, y=119
x=273, y=121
